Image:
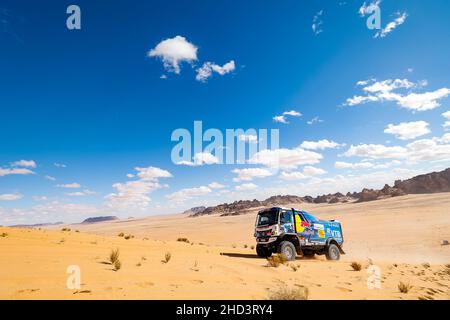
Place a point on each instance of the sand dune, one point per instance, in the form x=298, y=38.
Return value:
x=399, y=235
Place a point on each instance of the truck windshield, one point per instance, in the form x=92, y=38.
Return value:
x=268, y=217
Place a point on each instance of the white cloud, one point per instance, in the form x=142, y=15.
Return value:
x=401, y=18
x=188, y=193
x=131, y=195
x=307, y=172
x=280, y=119
x=10, y=196
x=201, y=158
x=320, y=145
x=292, y=113
x=375, y=151
x=348, y=165
x=380, y=91
x=60, y=165
x=70, y=185
x=50, y=178
x=75, y=194
x=366, y=9
x=446, y=115
x=152, y=173
x=291, y=176
x=408, y=130
x=285, y=158
x=207, y=69
x=216, y=185
x=246, y=187
x=314, y=120
x=24, y=163
x=313, y=171
x=250, y=138
x=250, y=173
x=11, y=171
x=317, y=23
x=173, y=52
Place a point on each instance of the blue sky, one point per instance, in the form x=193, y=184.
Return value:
x=97, y=104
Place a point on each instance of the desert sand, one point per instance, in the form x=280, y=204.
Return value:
x=402, y=236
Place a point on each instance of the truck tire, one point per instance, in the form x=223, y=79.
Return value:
x=308, y=253
x=262, y=251
x=288, y=249
x=332, y=252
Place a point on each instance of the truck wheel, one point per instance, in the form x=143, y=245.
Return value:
x=332, y=252
x=288, y=249
x=262, y=251
x=308, y=253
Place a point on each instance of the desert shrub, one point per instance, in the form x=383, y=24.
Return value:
x=114, y=256
x=245, y=246
x=426, y=265
x=276, y=260
x=183, y=240
x=252, y=247
x=128, y=236
x=121, y=234
x=294, y=267
x=167, y=257
x=356, y=266
x=117, y=265
x=65, y=229
x=404, y=287
x=284, y=293
x=3, y=234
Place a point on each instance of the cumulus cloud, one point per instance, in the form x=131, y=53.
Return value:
x=320, y=145
x=207, y=69
x=348, y=165
x=200, y=159
x=251, y=173
x=388, y=90
x=188, y=193
x=11, y=171
x=135, y=194
x=250, y=138
x=173, y=52
x=368, y=8
x=10, y=196
x=246, y=187
x=69, y=185
x=285, y=158
x=280, y=119
x=408, y=130
x=307, y=172
x=375, y=151
x=314, y=121
x=50, y=178
x=446, y=115
x=313, y=171
x=216, y=185
x=399, y=20
x=60, y=165
x=24, y=163
x=283, y=117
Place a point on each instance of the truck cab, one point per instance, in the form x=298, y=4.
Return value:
x=291, y=232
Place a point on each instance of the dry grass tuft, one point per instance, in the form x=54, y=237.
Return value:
x=426, y=265
x=3, y=235
x=167, y=257
x=121, y=234
x=294, y=267
x=117, y=265
x=128, y=236
x=65, y=229
x=252, y=247
x=114, y=256
x=276, y=260
x=183, y=240
x=284, y=293
x=404, y=287
x=356, y=266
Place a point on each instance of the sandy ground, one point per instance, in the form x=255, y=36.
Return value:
x=400, y=236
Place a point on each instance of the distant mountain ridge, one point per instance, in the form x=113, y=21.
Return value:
x=99, y=219
x=426, y=183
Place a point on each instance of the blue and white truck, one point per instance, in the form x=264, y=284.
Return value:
x=291, y=232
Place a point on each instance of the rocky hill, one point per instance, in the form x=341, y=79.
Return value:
x=425, y=183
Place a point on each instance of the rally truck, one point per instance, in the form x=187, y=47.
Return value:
x=291, y=232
